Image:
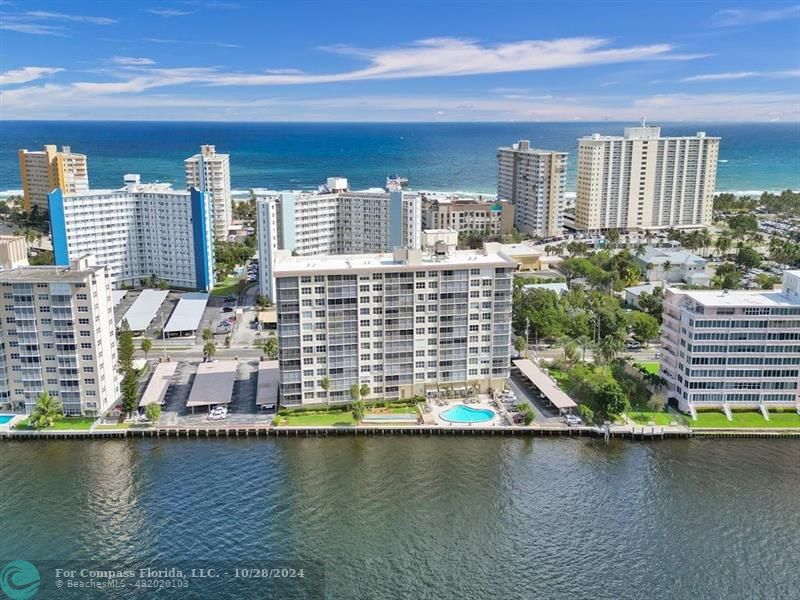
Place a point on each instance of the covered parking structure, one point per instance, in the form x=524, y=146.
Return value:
x=548, y=388
x=213, y=384
x=143, y=310
x=267, y=387
x=156, y=389
x=117, y=296
x=188, y=314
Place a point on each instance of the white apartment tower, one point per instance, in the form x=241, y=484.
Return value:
x=43, y=171
x=58, y=337
x=534, y=181
x=728, y=349
x=403, y=323
x=210, y=172
x=642, y=180
x=333, y=221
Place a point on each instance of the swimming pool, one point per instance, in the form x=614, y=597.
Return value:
x=5, y=419
x=465, y=414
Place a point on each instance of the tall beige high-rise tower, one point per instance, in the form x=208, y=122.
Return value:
x=43, y=171
x=210, y=172
x=642, y=180
x=534, y=181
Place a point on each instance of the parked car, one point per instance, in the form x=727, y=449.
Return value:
x=571, y=420
x=227, y=309
x=518, y=418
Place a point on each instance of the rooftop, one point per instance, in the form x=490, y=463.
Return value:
x=763, y=298
x=188, y=313
x=676, y=257
x=156, y=389
x=213, y=383
x=522, y=249
x=48, y=274
x=525, y=146
x=144, y=309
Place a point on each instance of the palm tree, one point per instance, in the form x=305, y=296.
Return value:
x=271, y=347
x=608, y=348
x=723, y=244
x=365, y=391
x=666, y=267
x=208, y=335
x=612, y=237
x=326, y=385
x=209, y=350
x=46, y=411
x=584, y=342
x=570, y=347
x=355, y=392
x=147, y=345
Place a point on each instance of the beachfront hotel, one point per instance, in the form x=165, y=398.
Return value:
x=642, y=180
x=402, y=322
x=58, y=337
x=138, y=231
x=729, y=349
x=333, y=220
x=534, y=181
x=43, y=171
x=465, y=213
x=210, y=172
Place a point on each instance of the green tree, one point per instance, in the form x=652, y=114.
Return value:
x=147, y=345
x=355, y=392
x=748, y=257
x=271, y=346
x=208, y=335
x=521, y=345
x=365, y=391
x=743, y=224
x=611, y=400
x=325, y=382
x=46, y=411
x=585, y=413
x=153, y=412
x=612, y=237
x=359, y=410
x=645, y=327
x=129, y=388
x=608, y=348
x=209, y=350
x=125, y=348
x=723, y=244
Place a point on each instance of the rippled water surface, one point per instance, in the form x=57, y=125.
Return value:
x=425, y=518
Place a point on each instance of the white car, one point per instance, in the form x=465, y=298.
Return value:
x=218, y=413
x=572, y=420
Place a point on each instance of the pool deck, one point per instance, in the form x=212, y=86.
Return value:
x=481, y=404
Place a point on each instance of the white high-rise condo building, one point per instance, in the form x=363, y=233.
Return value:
x=333, y=221
x=137, y=232
x=210, y=172
x=58, y=337
x=729, y=349
x=534, y=181
x=645, y=181
x=43, y=171
x=403, y=323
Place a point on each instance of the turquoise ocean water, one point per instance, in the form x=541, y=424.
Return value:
x=443, y=156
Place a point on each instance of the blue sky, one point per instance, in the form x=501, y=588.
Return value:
x=243, y=60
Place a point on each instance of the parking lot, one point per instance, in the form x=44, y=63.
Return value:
x=526, y=392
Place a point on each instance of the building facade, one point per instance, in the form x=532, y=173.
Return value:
x=58, y=337
x=210, y=172
x=333, y=221
x=642, y=180
x=729, y=349
x=137, y=232
x=13, y=252
x=467, y=214
x=534, y=181
x=43, y=171
x=403, y=323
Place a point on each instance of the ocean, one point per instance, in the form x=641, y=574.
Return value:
x=422, y=518
x=434, y=156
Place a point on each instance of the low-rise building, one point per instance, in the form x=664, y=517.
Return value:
x=466, y=214
x=58, y=337
x=403, y=323
x=732, y=348
x=138, y=231
x=13, y=252
x=333, y=220
x=634, y=293
x=672, y=266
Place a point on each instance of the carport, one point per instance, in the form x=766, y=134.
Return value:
x=541, y=380
x=186, y=317
x=267, y=388
x=156, y=389
x=213, y=384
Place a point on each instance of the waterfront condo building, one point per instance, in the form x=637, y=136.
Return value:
x=465, y=214
x=43, y=171
x=403, y=323
x=642, y=180
x=333, y=220
x=210, y=172
x=729, y=349
x=58, y=337
x=534, y=181
x=137, y=232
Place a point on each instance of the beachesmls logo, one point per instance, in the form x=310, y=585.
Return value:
x=19, y=580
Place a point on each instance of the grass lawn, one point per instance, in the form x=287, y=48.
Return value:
x=745, y=419
x=321, y=419
x=650, y=367
x=659, y=418
x=64, y=423
x=227, y=287
x=115, y=426
x=397, y=410
x=560, y=376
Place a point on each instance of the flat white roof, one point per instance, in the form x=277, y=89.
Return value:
x=267, y=387
x=546, y=385
x=144, y=309
x=213, y=383
x=118, y=295
x=742, y=298
x=521, y=250
x=156, y=388
x=188, y=313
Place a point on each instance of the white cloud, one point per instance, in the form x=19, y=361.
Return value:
x=732, y=17
x=191, y=42
x=32, y=28
x=744, y=75
x=41, y=14
x=169, y=12
x=35, y=22
x=131, y=61
x=26, y=74
x=283, y=71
